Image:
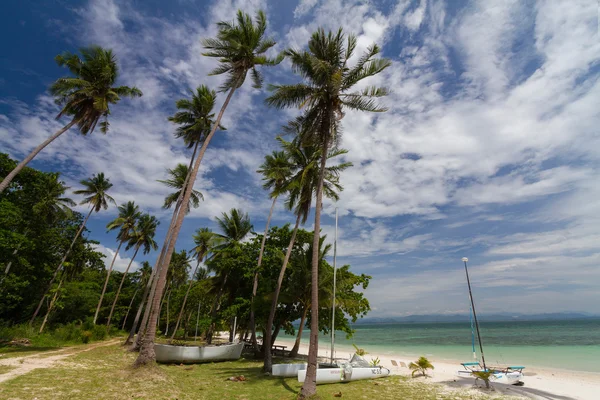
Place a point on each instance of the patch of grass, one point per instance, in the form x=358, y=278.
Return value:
x=106, y=373
x=5, y=368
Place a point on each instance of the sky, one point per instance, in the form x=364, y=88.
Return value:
x=490, y=149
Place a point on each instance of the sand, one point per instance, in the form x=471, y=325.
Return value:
x=540, y=383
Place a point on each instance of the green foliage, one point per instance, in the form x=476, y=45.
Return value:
x=375, y=362
x=358, y=351
x=485, y=376
x=421, y=365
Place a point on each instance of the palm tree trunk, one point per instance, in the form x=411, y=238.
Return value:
x=184, y=301
x=215, y=309
x=6, y=181
x=129, y=308
x=112, y=309
x=255, y=285
x=37, y=310
x=294, y=351
x=7, y=269
x=158, y=265
x=138, y=314
x=268, y=360
x=147, y=354
x=168, y=302
x=106, y=281
x=51, y=306
x=309, y=388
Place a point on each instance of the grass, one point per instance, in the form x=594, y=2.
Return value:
x=106, y=373
x=5, y=368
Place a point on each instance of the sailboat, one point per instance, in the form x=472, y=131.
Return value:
x=511, y=375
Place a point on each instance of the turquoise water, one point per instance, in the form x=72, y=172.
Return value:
x=573, y=345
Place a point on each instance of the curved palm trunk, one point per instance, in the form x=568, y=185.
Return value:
x=129, y=308
x=168, y=302
x=184, y=301
x=268, y=360
x=7, y=269
x=51, y=306
x=106, y=281
x=159, y=263
x=215, y=308
x=255, y=285
x=138, y=314
x=112, y=309
x=8, y=179
x=37, y=310
x=294, y=351
x=309, y=388
x=147, y=354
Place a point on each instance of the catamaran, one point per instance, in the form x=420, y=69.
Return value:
x=511, y=375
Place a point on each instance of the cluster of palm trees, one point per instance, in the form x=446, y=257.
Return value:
x=329, y=75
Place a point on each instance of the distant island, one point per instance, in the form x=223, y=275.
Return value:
x=484, y=317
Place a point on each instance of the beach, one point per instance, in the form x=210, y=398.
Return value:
x=540, y=383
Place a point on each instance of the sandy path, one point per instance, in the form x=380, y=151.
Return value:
x=24, y=365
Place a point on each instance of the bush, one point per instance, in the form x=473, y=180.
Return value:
x=86, y=336
x=99, y=332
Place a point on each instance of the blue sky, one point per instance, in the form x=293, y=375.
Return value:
x=490, y=148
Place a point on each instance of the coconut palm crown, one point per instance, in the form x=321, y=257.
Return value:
x=96, y=189
x=240, y=46
x=177, y=180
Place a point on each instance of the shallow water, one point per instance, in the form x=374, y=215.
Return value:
x=573, y=344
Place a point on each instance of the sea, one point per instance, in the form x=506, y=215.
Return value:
x=570, y=344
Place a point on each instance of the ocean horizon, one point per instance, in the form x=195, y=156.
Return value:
x=560, y=344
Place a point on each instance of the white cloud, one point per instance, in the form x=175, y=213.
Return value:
x=120, y=262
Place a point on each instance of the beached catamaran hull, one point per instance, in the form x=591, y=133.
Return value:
x=507, y=378
x=197, y=354
x=334, y=375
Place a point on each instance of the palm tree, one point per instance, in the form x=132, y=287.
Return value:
x=327, y=90
x=203, y=240
x=421, y=365
x=85, y=97
x=125, y=222
x=142, y=236
x=275, y=171
x=301, y=187
x=96, y=190
x=177, y=275
x=178, y=177
x=235, y=227
x=145, y=273
x=50, y=206
x=240, y=48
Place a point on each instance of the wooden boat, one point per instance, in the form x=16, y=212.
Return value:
x=346, y=374
x=169, y=354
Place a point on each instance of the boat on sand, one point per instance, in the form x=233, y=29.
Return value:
x=169, y=354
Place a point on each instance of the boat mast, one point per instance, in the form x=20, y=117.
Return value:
x=472, y=333
x=334, y=282
x=465, y=259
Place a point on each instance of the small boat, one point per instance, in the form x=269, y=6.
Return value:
x=356, y=369
x=512, y=375
x=289, y=370
x=346, y=374
x=508, y=375
x=170, y=354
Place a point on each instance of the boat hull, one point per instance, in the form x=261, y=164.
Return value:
x=169, y=354
x=333, y=375
x=287, y=370
x=507, y=378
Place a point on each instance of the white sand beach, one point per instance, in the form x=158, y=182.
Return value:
x=540, y=383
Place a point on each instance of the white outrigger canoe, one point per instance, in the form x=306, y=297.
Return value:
x=346, y=374
x=166, y=353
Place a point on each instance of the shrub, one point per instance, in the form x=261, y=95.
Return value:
x=86, y=336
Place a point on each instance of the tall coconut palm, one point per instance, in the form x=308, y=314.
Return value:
x=125, y=222
x=275, y=170
x=142, y=236
x=178, y=177
x=195, y=120
x=50, y=206
x=203, y=241
x=95, y=190
x=235, y=227
x=327, y=91
x=145, y=273
x=240, y=48
x=85, y=96
x=301, y=188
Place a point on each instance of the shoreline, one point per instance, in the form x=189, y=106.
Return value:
x=540, y=382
